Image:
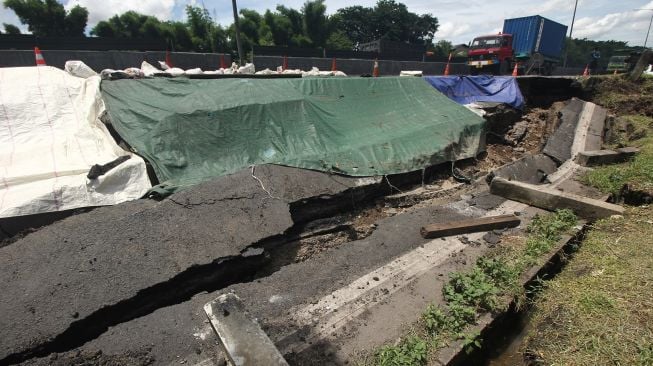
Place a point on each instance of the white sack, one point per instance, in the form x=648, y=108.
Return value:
x=79, y=69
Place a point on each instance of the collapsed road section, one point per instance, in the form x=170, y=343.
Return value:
x=243, y=213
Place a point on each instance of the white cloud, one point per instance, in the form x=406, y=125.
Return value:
x=105, y=9
x=450, y=30
x=629, y=25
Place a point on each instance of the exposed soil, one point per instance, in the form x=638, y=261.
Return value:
x=538, y=123
x=623, y=97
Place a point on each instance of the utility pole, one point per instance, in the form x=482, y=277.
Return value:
x=237, y=26
x=649, y=26
x=571, y=31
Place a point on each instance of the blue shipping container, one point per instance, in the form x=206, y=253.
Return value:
x=536, y=34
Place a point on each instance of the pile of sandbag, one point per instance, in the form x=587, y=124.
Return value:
x=313, y=72
x=148, y=70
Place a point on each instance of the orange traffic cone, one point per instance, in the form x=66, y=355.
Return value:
x=333, y=65
x=515, y=71
x=446, y=68
x=285, y=63
x=40, y=61
x=168, y=59
x=587, y=70
x=375, y=71
x=223, y=65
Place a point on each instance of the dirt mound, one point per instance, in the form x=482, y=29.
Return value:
x=624, y=97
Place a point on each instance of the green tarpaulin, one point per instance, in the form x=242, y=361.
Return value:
x=193, y=130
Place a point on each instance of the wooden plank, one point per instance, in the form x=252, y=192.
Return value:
x=469, y=226
x=242, y=338
x=552, y=199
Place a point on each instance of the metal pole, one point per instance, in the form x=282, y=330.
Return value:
x=571, y=31
x=237, y=28
x=573, y=18
x=648, y=31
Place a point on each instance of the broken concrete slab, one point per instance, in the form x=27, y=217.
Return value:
x=603, y=157
x=245, y=343
x=469, y=226
x=558, y=146
x=552, y=199
x=66, y=283
x=532, y=169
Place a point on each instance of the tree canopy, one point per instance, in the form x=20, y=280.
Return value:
x=48, y=18
x=11, y=29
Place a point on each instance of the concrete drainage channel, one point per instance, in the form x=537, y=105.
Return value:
x=327, y=265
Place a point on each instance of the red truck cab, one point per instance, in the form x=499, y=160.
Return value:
x=492, y=52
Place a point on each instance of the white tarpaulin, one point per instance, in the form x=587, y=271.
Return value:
x=50, y=137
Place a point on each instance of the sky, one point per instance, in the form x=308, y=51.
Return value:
x=459, y=21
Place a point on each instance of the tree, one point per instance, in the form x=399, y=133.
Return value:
x=389, y=20
x=11, y=29
x=315, y=22
x=578, y=51
x=206, y=35
x=199, y=33
x=338, y=40
x=48, y=18
x=443, y=48
x=355, y=22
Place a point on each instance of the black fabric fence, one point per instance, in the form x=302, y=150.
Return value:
x=28, y=42
x=99, y=60
x=358, y=66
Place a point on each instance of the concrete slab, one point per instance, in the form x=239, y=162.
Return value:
x=551, y=199
x=532, y=169
x=558, y=146
x=66, y=283
x=602, y=157
x=245, y=343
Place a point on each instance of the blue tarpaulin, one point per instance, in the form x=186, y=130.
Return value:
x=481, y=88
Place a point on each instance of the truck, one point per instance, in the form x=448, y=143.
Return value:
x=533, y=43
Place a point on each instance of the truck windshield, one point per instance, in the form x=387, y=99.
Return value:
x=486, y=42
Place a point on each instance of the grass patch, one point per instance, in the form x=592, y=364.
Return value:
x=483, y=288
x=599, y=310
x=637, y=174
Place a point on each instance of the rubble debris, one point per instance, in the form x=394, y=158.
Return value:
x=552, y=199
x=491, y=238
x=469, y=226
x=245, y=343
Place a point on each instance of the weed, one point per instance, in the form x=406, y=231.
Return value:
x=475, y=289
x=435, y=319
x=545, y=231
x=471, y=341
x=412, y=351
x=646, y=354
